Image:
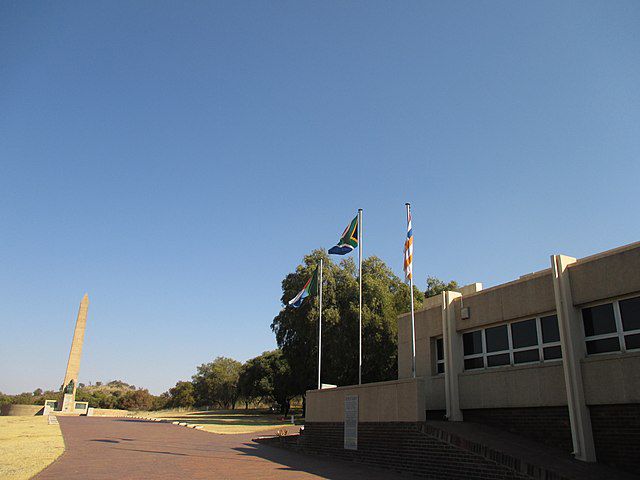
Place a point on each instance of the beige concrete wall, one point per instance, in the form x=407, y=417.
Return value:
x=526, y=297
x=612, y=378
x=428, y=325
x=21, y=410
x=607, y=378
x=434, y=392
x=521, y=386
x=394, y=401
x=608, y=274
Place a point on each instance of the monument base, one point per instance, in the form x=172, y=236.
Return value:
x=68, y=403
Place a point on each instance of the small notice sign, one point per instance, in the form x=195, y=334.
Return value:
x=351, y=422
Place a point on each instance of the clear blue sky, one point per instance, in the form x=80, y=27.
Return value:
x=176, y=160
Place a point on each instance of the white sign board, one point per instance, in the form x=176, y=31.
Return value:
x=351, y=422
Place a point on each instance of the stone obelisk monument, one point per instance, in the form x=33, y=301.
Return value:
x=73, y=366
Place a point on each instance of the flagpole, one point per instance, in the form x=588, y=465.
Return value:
x=320, y=330
x=413, y=318
x=360, y=311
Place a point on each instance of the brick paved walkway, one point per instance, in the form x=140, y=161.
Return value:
x=119, y=448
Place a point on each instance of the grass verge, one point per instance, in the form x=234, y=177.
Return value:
x=226, y=422
x=27, y=446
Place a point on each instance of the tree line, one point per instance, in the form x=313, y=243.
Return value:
x=276, y=377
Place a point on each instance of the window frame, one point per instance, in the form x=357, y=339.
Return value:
x=620, y=333
x=435, y=356
x=539, y=347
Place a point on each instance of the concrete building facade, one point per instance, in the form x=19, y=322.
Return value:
x=553, y=356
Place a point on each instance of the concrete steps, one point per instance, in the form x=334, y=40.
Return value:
x=522, y=455
x=447, y=450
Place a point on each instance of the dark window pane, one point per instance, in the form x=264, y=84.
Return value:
x=598, y=320
x=472, y=342
x=439, y=349
x=524, y=334
x=526, y=356
x=550, y=332
x=632, y=341
x=603, y=345
x=440, y=368
x=630, y=312
x=471, y=363
x=496, y=360
x=497, y=338
x=552, y=352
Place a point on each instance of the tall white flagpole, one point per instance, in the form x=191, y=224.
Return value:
x=320, y=330
x=360, y=312
x=413, y=318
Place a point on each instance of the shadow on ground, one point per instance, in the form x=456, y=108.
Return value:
x=324, y=467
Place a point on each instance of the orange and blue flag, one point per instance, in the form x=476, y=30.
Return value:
x=408, y=249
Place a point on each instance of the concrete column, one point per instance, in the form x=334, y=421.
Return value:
x=573, y=351
x=453, y=356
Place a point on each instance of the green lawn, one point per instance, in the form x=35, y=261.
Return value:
x=229, y=422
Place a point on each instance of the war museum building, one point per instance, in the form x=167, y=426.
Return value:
x=553, y=356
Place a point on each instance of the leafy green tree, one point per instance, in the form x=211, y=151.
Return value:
x=283, y=384
x=385, y=296
x=435, y=286
x=216, y=383
x=161, y=401
x=254, y=382
x=139, y=399
x=181, y=396
x=268, y=376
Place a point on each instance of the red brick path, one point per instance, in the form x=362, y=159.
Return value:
x=119, y=448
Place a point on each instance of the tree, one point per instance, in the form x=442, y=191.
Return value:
x=268, y=376
x=37, y=392
x=216, y=383
x=254, y=381
x=136, y=400
x=435, y=286
x=283, y=385
x=385, y=296
x=181, y=396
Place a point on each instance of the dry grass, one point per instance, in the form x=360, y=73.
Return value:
x=27, y=446
x=226, y=423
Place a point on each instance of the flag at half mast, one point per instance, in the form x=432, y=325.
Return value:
x=408, y=249
x=310, y=288
x=349, y=240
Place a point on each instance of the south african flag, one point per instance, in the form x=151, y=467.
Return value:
x=310, y=288
x=349, y=240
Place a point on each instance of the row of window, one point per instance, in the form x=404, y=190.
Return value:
x=611, y=327
x=527, y=341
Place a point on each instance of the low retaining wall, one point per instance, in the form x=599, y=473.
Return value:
x=109, y=412
x=21, y=410
x=394, y=401
x=403, y=446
